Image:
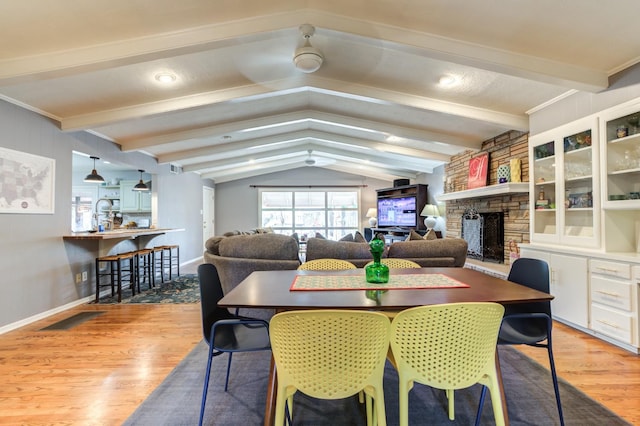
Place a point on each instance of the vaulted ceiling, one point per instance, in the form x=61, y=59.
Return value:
x=238, y=107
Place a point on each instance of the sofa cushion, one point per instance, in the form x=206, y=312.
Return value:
x=442, y=252
x=260, y=246
x=359, y=238
x=356, y=253
x=213, y=244
x=348, y=237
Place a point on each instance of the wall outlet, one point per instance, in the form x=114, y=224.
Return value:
x=84, y=276
x=78, y=278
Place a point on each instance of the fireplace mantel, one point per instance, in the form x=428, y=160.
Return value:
x=486, y=191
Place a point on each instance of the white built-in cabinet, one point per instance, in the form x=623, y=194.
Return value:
x=564, y=185
x=585, y=221
x=568, y=284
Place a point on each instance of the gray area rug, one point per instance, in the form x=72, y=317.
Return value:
x=182, y=289
x=528, y=387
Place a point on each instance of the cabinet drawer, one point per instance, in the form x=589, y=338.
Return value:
x=611, y=292
x=614, y=324
x=620, y=270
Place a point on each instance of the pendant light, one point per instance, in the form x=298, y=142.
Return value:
x=140, y=186
x=94, y=177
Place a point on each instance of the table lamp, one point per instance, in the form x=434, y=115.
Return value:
x=430, y=212
x=372, y=214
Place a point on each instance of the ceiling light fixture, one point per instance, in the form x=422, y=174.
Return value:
x=307, y=58
x=141, y=186
x=94, y=177
x=165, y=77
x=448, y=80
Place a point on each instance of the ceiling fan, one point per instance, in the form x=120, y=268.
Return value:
x=315, y=161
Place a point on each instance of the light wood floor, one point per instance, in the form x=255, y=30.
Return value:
x=98, y=372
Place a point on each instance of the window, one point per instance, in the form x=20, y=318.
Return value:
x=332, y=213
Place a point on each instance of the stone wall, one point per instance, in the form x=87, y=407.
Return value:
x=515, y=207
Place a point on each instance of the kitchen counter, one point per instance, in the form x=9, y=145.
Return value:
x=123, y=233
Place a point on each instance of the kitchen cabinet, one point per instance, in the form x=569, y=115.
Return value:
x=133, y=201
x=564, y=185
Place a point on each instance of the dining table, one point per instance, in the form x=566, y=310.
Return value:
x=347, y=289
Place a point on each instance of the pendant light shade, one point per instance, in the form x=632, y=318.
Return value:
x=140, y=186
x=94, y=177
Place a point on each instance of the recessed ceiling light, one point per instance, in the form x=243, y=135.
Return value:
x=165, y=77
x=449, y=80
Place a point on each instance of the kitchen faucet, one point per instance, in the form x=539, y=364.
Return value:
x=109, y=215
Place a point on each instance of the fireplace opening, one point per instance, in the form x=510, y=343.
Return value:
x=484, y=234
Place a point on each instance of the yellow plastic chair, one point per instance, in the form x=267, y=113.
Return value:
x=326, y=265
x=449, y=346
x=397, y=263
x=330, y=354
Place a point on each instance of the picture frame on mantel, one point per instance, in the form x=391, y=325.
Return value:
x=27, y=183
x=478, y=169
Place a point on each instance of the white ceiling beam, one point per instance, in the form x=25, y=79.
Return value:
x=158, y=46
x=296, y=138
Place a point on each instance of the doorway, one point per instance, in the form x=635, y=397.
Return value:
x=208, y=213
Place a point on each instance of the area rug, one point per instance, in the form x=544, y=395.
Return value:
x=530, y=398
x=183, y=289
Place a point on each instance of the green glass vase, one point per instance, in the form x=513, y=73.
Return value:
x=377, y=272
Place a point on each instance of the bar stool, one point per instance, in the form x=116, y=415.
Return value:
x=157, y=263
x=170, y=259
x=144, y=267
x=113, y=267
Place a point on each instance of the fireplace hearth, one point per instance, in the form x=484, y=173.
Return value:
x=484, y=233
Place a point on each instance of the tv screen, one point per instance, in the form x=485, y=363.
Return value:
x=397, y=212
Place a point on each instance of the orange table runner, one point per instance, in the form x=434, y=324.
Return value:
x=358, y=282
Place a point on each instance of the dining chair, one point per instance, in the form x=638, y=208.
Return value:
x=326, y=265
x=529, y=323
x=397, y=263
x=330, y=354
x=448, y=346
x=223, y=331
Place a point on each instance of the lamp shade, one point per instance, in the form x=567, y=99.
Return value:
x=372, y=214
x=141, y=186
x=94, y=177
x=430, y=210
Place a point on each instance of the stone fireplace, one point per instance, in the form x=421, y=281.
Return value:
x=511, y=208
x=484, y=233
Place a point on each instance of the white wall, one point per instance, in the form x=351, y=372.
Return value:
x=37, y=266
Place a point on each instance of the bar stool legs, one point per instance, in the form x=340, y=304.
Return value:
x=172, y=259
x=115, y=267
x=157, y=261
x=144, y=267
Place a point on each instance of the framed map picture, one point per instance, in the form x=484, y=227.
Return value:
x=27, y=183
x=478, y=168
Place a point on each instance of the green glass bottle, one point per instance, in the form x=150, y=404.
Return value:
x=377, y=272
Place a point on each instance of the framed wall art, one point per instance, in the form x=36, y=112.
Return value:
x=27, y=183
x=478, y=168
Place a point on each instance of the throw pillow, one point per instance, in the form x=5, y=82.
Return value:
x=430, y=235
x=213, y=245
x=348, y=237
x=413, y=235
x=359, y=238
x=319, y=235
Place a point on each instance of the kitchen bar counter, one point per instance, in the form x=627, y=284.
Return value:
x=124, y=233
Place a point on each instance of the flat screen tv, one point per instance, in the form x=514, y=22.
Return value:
x=397, y=212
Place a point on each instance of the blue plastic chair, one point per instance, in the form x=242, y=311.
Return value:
x=223, y=331
x=528, y=323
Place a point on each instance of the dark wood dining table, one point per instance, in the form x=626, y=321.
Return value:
x=272, y=290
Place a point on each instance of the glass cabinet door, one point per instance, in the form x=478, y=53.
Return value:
x=578, y=183
x=543, y=188
x=620, y=150
x=564, y=185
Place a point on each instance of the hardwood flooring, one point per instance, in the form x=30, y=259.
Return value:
x=99, y=371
